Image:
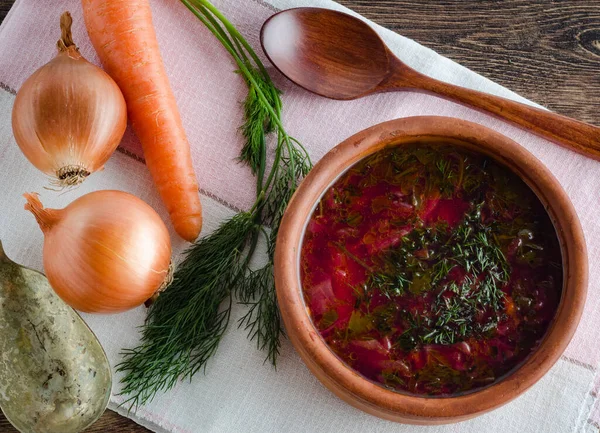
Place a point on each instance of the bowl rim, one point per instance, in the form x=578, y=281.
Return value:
x=350, y=385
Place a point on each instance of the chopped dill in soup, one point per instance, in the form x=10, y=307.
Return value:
x=431, y=270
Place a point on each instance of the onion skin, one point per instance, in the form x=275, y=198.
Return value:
x=69, y=116
x=106, y=252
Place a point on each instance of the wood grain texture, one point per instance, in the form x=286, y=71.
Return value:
x=546, y=50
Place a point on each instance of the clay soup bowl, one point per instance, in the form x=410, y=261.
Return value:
x=344, y=381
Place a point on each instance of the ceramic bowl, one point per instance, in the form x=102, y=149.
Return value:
x=347, y=383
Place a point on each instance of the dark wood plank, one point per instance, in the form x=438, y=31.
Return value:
x=113, y=422
x=109, y=423
x=5, y=6
x=546, y=50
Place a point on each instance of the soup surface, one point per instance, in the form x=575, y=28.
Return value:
x=431, y=270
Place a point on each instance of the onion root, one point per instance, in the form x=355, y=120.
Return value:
x=70, y=175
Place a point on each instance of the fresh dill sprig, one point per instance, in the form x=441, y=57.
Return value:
x=187, y=322
x=262, y=320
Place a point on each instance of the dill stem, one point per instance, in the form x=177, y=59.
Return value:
x=273, y=172
x=215, y=29
x=218, y=27
x=236, y=35
x=260, y=177
x=227, y=35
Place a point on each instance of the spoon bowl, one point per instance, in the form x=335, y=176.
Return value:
x=54, y=374
x=298, y=43
x=338, y=56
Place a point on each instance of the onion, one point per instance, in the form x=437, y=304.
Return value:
x=69, y=116
x=106, y=252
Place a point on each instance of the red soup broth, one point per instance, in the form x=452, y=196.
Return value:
x=431, y=270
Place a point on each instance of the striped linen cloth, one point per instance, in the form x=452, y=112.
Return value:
x=239, y=392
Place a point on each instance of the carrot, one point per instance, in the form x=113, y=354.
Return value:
x=123, y=36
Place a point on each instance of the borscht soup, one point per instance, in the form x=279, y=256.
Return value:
x=430, y=269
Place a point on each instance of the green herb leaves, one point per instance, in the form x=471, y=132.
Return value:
x=185, y=324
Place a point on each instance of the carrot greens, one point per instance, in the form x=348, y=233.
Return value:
x=186, y=323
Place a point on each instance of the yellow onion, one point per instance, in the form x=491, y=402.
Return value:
x=69, y=116
x=106, y=252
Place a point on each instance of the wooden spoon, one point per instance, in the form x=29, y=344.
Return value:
x=339, y=56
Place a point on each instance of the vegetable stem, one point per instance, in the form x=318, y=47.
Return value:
x=66, y=38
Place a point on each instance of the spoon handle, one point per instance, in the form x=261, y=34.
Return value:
x=573, y=134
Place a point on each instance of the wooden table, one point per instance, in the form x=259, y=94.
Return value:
x=545, y=50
